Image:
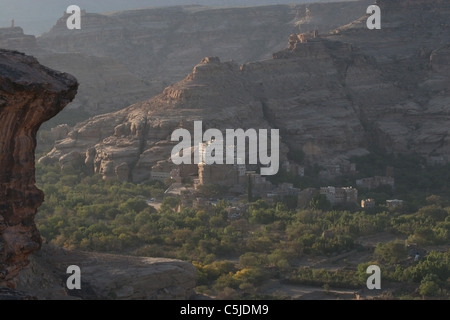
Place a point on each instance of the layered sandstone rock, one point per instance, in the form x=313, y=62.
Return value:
x=332, y=96
x=139, y=136
x=29, y=95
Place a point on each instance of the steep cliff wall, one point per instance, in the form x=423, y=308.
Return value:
x=29, y=95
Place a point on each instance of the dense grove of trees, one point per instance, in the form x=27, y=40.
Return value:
x=235, y=256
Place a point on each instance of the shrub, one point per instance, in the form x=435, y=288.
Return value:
x=391, y=252
x=429, y=286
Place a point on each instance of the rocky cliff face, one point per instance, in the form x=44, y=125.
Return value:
x=407, y=110
x=290, y=92
x=29, y=95
x=136, y=139
x=331, y=96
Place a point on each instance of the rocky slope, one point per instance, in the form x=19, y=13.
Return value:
x=331, y=96
x=29, y=95
x=106, y=276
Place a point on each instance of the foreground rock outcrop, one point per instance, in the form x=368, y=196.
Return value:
x=333, y=97
x=12, y=294
x=29, y=95
x=106, y=276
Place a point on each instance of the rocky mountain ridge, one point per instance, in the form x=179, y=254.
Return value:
x=332, y=96
x=125, y=57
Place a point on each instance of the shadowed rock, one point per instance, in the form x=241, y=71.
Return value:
x=106, y=276
x=30, y=94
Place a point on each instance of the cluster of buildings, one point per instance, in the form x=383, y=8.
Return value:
x=370, y=203
x=293, y=168
x=335, y=170
x=236, y=177
x=241, y=181
x=335, y=196
x=375, y=182
x=302, y=38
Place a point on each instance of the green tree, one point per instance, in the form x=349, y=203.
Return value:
x=433, y=211
x=262, y=216
x=252, y=259
x=171, y=202
x=211, y=190
x=320, y=202
x=429, y=286
x=391, y=252
x=135, y=204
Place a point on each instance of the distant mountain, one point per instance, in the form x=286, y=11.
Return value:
x=332, y=96
x=36, y=17
x=130, y=56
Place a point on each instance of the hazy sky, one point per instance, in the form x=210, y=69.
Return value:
x=38, y=16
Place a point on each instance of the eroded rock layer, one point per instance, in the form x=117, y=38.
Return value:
x=30, y=94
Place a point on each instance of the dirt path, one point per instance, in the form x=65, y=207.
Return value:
x=304, y=292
